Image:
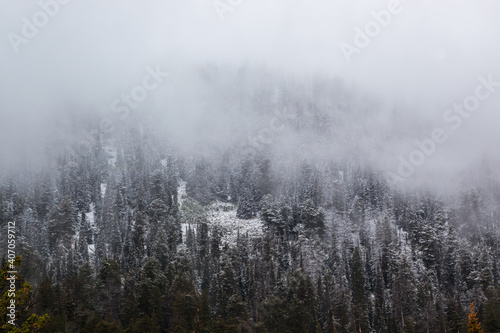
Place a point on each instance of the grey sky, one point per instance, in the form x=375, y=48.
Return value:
x=428, y=57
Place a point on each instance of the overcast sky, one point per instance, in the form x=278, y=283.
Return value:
x=428, y=56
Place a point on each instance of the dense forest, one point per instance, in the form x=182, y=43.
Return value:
x=125, y=231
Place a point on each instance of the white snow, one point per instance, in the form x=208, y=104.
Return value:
x=181, y=197
x=224, y=215
x=91, y=250
x=90, y=216
x=103, y=189
x=184, y=228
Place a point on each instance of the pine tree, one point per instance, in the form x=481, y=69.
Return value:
x=151, y=284
x=204, y=316
x=24, y=320
x=200, y=184
x=360, y=316
x=379, y=315
x=248, y=194
x=492, y=310
x=144, y=324
x=454, y=315
x=312, y=217
x=108, y=283
x=473, y=326
x=61, y=227
x=301, y=313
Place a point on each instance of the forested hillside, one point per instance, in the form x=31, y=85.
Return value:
x=132, y=231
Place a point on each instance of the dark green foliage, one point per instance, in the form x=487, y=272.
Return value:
x=340, y=251
x=491, y=321
x=145, y=324
x=359, y=311
x=108, y=327
x=108, y=285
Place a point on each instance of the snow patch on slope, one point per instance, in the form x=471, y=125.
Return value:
x=103, y=189
x=184, y=229
x=91, y=251
x=90, y=217
x=224, y=215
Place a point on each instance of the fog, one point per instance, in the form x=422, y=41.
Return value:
x=427, y=57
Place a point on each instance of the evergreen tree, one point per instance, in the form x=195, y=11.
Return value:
x=61, y=227
x=473, y=326
x=359, y=310
x=22, y=319
x=492, y=310
x=108, y=284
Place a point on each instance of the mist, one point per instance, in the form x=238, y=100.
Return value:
x=394, y=91
x=250, y=166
